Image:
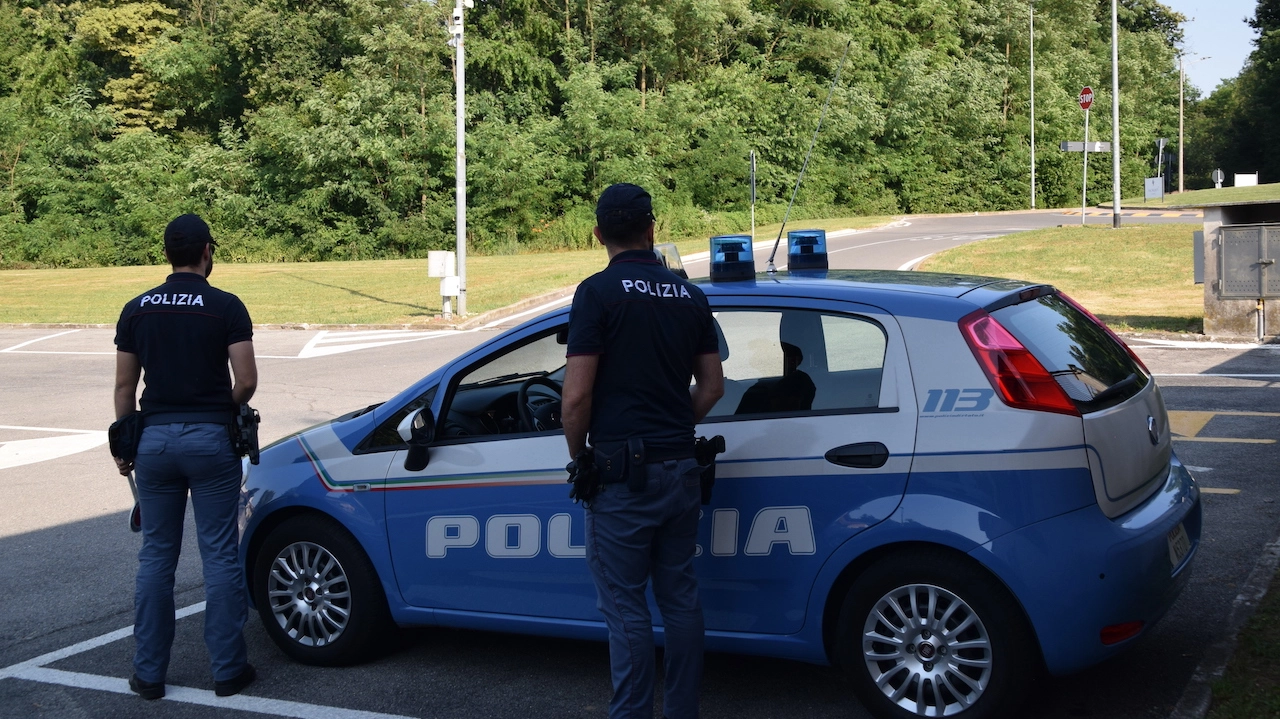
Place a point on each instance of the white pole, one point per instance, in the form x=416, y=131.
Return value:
x=1182, y=82
x=461, y=162
x=753, y=197
x=1033, y=106
x=1115, y=117
x=1084, y=183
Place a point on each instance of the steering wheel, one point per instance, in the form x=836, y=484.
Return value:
x=543, y=415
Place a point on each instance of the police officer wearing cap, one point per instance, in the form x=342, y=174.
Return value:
x=180, y=337
x=637, y=335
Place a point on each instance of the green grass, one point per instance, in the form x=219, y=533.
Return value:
x=373, y=292
x=1138, y=278
x=1192, y=197
x=1250, y=689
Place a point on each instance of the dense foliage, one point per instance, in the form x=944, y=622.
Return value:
x=318, y=129
x=1237, y=127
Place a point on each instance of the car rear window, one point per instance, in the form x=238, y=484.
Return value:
x=1081, y=356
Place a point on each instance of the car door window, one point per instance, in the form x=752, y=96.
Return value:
x=798, y=361
x=486, y=398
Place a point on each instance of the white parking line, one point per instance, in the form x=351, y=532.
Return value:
x=38, y=339
x=324, y=343
x=51, y=352
x=36, y=670
x=912, y=264
x=1221, y=374
x=18, y=452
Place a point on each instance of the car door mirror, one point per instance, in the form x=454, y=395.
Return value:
x=417, y=429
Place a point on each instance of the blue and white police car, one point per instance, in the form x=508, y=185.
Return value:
x=941, y=484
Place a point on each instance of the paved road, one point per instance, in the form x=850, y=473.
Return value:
x=68, y=559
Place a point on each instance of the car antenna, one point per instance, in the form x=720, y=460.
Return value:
x=770, y=268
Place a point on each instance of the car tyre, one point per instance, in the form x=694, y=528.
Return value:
x=318, y=594
x=923, y=634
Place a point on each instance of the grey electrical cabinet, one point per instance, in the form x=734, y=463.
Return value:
x=1247, y=262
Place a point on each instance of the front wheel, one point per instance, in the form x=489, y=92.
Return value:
x=318, y=594
x=922, y=635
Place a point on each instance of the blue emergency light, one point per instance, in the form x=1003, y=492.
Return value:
x=807, y=250
x=732, y=258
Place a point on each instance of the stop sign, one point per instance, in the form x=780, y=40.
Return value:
x=1086, y=98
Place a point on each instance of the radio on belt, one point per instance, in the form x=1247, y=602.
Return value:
x=732, y=258
x=807, y=250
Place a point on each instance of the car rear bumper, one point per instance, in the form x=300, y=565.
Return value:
x=1081, y=572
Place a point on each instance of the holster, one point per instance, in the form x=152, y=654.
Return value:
x=244, y=433
x=123, y=436
x=705, y=451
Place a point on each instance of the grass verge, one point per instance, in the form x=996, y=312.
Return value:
x=1192, y=197
x=1138, y=278
x=1250, y=689
x=373, y=292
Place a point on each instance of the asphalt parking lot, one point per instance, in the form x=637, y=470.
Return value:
x=65, y=646
x=69, y=560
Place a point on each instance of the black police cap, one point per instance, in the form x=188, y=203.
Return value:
x=624, y=205
x=186, y=231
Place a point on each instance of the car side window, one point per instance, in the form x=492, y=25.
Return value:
x=514, y=392
x=797, y=361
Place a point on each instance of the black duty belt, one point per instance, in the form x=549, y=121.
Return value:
x=196, y=417
x=621, y=461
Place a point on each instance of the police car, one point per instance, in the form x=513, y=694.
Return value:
x=941, y=484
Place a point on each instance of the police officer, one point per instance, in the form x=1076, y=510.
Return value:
x=182, y=334
x=637, y=334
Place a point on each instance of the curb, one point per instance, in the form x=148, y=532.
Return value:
x=1198, y=696
x=501, y=313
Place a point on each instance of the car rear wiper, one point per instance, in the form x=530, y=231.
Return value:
x=1116, y=389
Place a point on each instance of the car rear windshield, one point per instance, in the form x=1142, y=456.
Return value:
x=1093, y=369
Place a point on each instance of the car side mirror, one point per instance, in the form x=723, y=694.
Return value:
x=417, y=429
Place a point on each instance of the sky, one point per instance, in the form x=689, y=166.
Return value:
x=1215, y=29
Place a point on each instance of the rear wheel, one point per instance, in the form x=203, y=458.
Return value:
x=318, y=594
x=922, y=635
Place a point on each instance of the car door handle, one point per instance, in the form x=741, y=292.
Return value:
x=863, y=455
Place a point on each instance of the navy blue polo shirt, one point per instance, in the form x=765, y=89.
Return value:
x=648, y=326
x=180, y=332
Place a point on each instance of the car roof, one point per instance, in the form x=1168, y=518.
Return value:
x=893, y=290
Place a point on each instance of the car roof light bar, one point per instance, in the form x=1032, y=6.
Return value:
x=807, y=250
x=732, y=258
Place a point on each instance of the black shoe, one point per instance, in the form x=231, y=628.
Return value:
x=146, y=690
x=236, y=684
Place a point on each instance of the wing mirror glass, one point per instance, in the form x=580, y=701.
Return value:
x=417, y=429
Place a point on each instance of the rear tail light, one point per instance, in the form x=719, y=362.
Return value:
x=1080, y=308
x=1015, y=374
x=1117, y=633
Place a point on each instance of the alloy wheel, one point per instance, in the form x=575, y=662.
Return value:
x=927, y=650
x=309, y=594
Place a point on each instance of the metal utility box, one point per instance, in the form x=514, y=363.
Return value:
x=441, y=263
x=1247, y=262
x=1238, y=240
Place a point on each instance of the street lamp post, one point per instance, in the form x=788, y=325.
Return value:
x=1115, y=118
x=460, y=189
x=1033, y=105
x=1182, y=84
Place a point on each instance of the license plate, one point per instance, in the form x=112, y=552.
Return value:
x=1179, y=544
